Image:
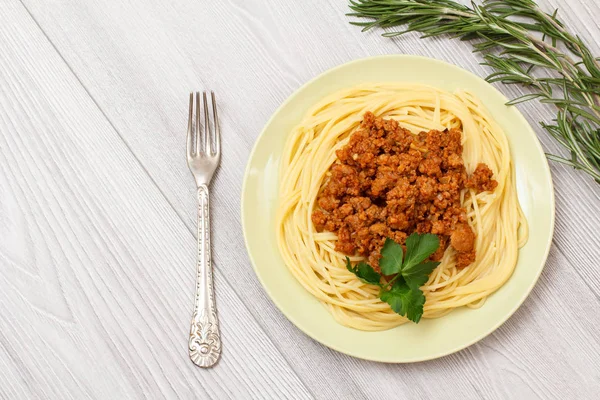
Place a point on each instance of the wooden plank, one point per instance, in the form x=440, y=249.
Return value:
x=98, y=271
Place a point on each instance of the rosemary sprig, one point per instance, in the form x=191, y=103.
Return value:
x=523, y=45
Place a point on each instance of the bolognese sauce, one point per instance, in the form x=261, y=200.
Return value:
x=389, y=183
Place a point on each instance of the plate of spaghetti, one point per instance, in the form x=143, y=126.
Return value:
x=395, y=209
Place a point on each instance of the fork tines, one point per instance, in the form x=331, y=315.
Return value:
x=207, y=141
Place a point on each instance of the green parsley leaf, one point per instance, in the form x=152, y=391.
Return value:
x=419, y=247
x=405, y=300
x=364, y=272
x=405, y=296
x=391, y=257
x=367, y=273
x=417, y=275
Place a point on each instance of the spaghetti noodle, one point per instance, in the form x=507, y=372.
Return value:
x=495, y=217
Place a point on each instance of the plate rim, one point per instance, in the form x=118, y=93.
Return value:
x=333, y=346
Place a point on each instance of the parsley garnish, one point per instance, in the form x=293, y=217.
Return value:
x=364, y=271
x=406, y=273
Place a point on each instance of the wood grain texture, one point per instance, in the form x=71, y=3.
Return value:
x=97, y=211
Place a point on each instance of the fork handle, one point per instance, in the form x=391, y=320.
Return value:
x=205, y=339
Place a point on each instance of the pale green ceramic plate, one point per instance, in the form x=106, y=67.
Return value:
x=409, y=342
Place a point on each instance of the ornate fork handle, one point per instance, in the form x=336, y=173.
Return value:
x=205, y=339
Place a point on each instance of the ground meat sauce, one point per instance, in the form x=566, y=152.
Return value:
x=388, y=182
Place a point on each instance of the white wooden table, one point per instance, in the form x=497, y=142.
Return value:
x=97, y=211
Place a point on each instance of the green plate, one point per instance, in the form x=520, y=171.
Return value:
x=431, y=338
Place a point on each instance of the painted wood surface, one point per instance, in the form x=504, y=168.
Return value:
x=97, y=211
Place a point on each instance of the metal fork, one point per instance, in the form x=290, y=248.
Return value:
x=203, y=159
